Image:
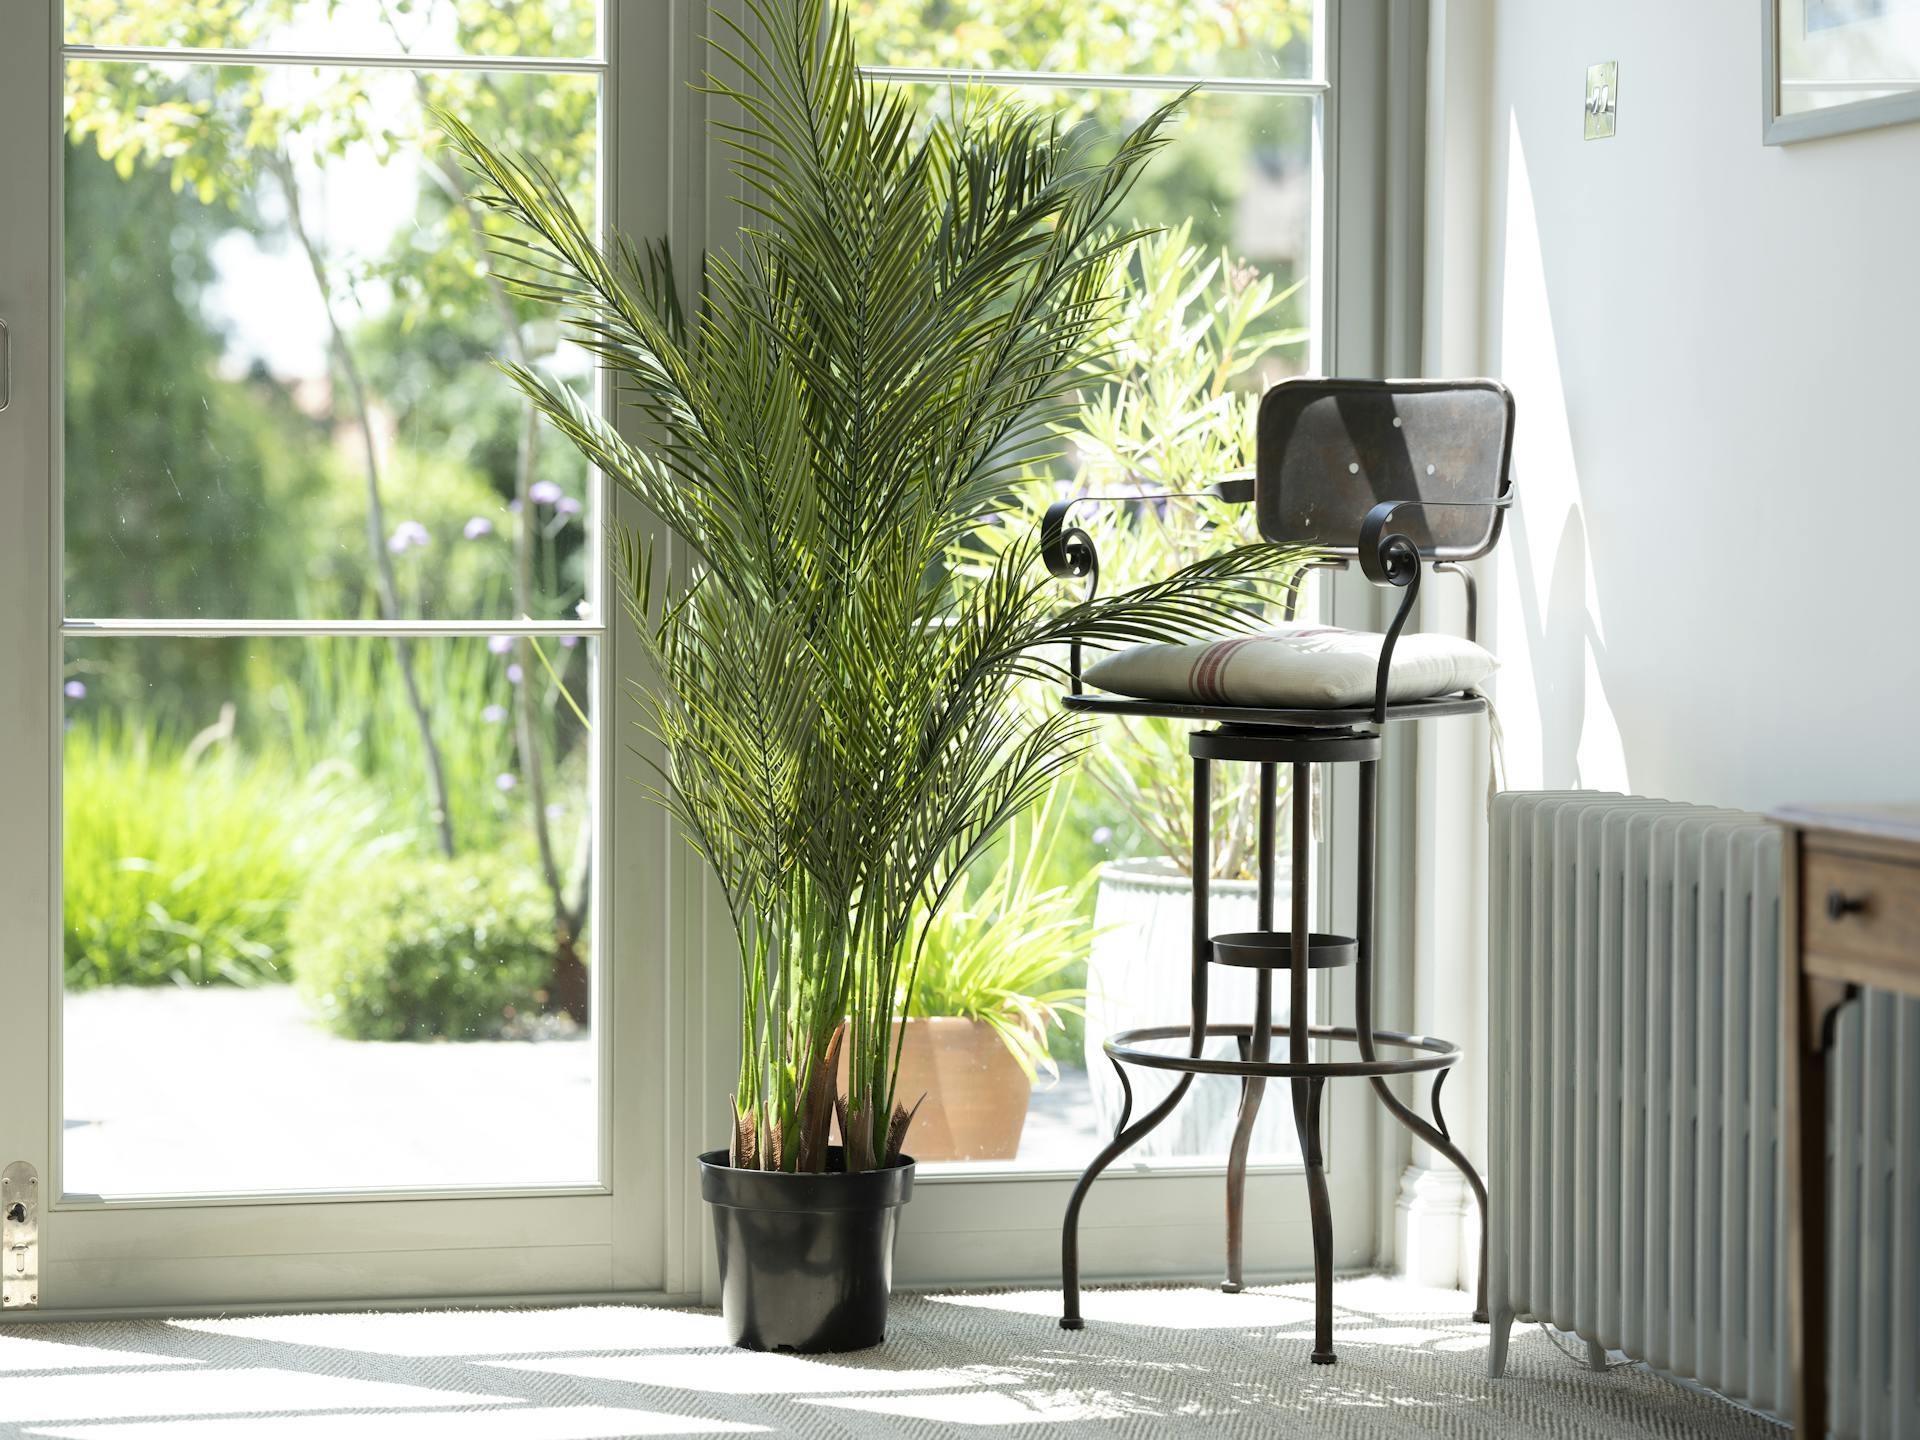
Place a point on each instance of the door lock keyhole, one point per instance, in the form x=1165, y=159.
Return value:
x=16, y=1212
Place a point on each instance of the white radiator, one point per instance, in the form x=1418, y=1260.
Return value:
x=1637, y=1170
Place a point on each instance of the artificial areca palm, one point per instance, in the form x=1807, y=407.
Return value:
x=871, y=379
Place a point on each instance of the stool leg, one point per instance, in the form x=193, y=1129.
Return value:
x=1431, y=1135
x=1322, y=1213
x=1070, y=1318
x=1306, y=1092
x=1260, y=1047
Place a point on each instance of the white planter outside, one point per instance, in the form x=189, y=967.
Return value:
x=1140, y=974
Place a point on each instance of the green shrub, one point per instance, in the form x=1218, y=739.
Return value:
x=1011, y=949
x=182, y=866
x=425, y=949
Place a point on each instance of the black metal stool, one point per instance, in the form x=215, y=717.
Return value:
x=1337, y=459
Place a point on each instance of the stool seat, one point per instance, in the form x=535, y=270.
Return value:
x=1296, y=665
x=1349, y=718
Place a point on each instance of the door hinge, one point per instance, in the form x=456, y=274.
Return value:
x=19, y=1237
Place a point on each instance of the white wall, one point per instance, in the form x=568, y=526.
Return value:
x=1707, y=591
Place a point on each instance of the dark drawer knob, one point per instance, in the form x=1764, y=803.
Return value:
x=1841, y=905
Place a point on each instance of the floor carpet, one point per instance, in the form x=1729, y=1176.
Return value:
x=1152, y=1362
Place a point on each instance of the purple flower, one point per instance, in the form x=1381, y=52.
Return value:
x=1102, y=834
x=499, y=644
x=504, y=782
x=76, y=689
x=494, y=714
x=513, y=506
x=553, y=812
x=543, y=492
x=478, y=526
x=407, y=535
x=566, y=505
x=515, y=673
x=567, y=642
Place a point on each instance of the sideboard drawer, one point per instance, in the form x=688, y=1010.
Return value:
x=1861, y=908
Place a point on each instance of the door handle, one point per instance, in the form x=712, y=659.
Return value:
x=6, y=366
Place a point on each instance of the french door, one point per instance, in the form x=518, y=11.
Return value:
x=345, y=960
x=339, y=947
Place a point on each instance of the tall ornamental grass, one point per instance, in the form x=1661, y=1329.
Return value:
x=182, y=866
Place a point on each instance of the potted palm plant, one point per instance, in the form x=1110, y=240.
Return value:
x=866, y=383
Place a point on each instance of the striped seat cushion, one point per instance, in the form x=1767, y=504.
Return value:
x=1319, y=667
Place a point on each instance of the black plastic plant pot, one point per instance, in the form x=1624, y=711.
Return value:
x=806, y=1261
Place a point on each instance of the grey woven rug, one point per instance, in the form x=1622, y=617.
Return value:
x=1152, y=1362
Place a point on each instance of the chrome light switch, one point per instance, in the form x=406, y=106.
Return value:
x=1603, y=89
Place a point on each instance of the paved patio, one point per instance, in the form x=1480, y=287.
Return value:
x=219, y=1089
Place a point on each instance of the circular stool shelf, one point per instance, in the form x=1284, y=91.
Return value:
x=1431, y=1053
x=1273, y=950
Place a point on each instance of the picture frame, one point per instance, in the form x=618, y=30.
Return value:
x=1832, y=67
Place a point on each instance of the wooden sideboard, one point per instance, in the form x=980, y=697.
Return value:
x=1850, y=918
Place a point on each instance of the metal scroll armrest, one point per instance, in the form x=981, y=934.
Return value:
x=1068, y=551
x=1388, y=557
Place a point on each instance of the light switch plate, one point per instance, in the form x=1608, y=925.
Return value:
x=1603, y=92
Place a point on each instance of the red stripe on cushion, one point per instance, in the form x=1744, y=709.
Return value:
x=1210, y=668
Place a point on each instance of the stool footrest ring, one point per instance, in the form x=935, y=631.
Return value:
x=1430, y=1053
x=1273, y=950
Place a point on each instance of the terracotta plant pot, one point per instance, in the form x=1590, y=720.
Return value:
x=977, y=1094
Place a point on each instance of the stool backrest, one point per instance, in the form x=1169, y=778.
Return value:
x=1328, y=451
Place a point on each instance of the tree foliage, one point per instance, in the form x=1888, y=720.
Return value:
x=385, y=479
x=1107, y=37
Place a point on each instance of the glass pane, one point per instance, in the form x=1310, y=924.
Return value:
x=280, y=391
x=566, y=28
x=1080, y=926
x=1267, y=39
x=277, y=976
x=1085, y=919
